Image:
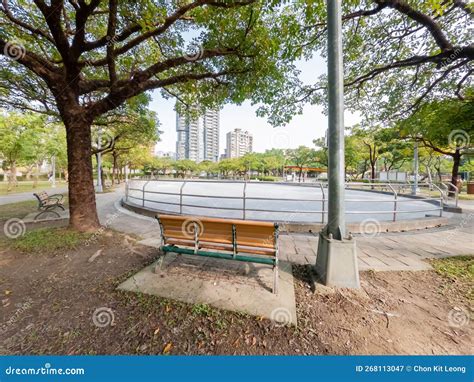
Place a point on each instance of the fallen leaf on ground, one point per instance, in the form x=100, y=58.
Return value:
x=167, y=348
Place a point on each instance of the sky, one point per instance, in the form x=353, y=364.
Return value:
x=301, y=130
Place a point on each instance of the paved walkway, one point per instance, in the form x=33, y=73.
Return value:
x=389, y=252
x=384, y=252
x=466, y=205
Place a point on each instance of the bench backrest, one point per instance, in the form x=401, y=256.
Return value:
x=220, y=231
x=42, y=197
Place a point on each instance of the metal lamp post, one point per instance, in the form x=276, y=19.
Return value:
x=53, y=169
x=99, y=161
x=336, y=263
x=415, y=169
x=336, y=218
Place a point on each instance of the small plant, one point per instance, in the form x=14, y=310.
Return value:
x=201, y=310
x=221, y=324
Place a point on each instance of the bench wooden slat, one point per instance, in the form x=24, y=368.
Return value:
x=217, y=220
x=247, y=240
x=43, y=196
x=223, y=247
x=223, y=234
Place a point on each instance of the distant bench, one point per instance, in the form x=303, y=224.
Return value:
x=190, y=235
x=47, y=203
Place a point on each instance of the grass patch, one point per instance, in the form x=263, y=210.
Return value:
x=49, y=240
x=25, y=186
x=466, y=196
x=17, y=210
x=458, y=267
x=459, y=270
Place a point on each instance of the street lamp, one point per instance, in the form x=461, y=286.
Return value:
x=99, y=160
x=53, y=170
x=415, y=169
x=336, y=262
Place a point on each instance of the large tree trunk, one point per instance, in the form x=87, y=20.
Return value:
x=82, y=207
x=372, y=173
x=12, y=182
x=455, y=171
x=37, y=170
x=102, y=177
x=29, y=170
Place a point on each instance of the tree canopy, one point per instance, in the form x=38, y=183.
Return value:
x=398, y=54
x=85, y=60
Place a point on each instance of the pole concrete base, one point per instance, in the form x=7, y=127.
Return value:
x=336, y=262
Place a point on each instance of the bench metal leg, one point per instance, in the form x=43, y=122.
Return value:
x=159, y=266
x=275, y=279
x=46, y=211
x=275, y=267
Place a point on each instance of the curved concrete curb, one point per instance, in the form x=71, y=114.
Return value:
x=380, y=226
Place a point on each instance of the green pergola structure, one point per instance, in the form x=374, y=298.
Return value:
x=336, y=262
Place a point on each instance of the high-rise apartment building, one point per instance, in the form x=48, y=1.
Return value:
x=239, y=143
x=211, y=135
x=198, y=138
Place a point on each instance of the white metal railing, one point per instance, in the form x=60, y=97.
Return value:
x=138, y=194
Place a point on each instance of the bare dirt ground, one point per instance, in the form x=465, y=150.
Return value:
x=66, y=302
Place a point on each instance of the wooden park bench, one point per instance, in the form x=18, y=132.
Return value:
x=47, y=203
x=238, y=240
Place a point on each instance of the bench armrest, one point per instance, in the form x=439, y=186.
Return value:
x=58, y=197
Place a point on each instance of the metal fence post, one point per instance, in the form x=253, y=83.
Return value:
x=181, y=197
x=456, y=193
x=395, y=197
x=323, y=203
x=243, y=200
x=143, y=194
x=441, y=198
